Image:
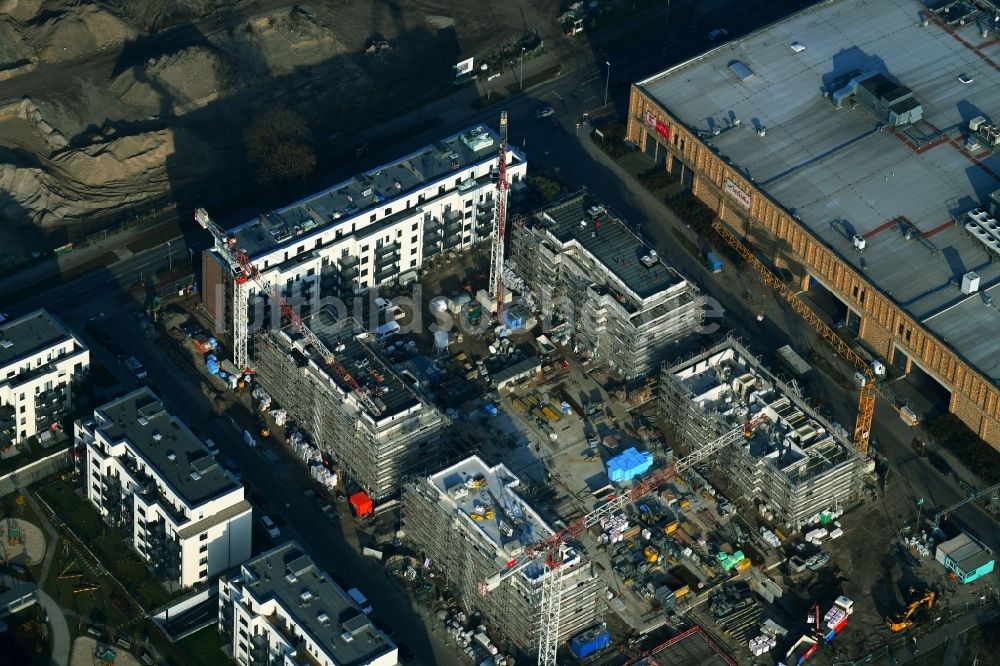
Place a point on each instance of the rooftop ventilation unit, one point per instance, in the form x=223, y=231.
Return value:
x=290, y=577
x=157, y=435
x=323, y=618
x=305, y=597
x=171, y=456
x=650, y=259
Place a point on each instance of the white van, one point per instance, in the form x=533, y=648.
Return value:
x=386, y=330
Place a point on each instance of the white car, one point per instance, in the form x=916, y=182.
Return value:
x=269, y=526
x=544, y=112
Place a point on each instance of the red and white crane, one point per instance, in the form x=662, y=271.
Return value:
x=551, y=549
x=244, y=272
x=499, y=219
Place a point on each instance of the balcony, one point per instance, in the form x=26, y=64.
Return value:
x=386, y=248
x=432, y=223
x=386, y=272
x=386, y=259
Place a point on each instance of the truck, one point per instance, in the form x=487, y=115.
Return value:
x=361, y=600
x=713, y=261
x=137, y=369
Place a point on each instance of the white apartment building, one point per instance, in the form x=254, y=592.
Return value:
x=39, y=360
x=375, y=229
x=282, y=609
x=143, y=468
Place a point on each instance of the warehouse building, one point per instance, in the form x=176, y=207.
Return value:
x=378, y=228
x=795, y=467
x=40, y=361
x=283, y=609
x=848, y=145
x=145, y=471
x=470, y=522
x=378, y=436
x=584, y=265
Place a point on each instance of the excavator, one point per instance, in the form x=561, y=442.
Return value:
x=905, y=619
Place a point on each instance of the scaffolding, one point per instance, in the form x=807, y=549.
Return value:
x=375, y=450
x=799, y=466
x=585, y=266
x=514, y=611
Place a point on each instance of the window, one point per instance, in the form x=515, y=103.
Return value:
x=372, y=218
x=468, y=214
x=203, y=561
x=203, y=536
x=413, y=262
x=203, y=549
x=468, y=203
x=364, y=273
x=364, y=248
x=22, y=409
x=457, y=181
x=302, y=248
x=416, y=225
x=311, y=271
x=413, y=239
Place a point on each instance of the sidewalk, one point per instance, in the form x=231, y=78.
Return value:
x=57, y=620
x=53, y=269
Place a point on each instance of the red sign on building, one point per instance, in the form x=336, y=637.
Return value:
x=663, y=129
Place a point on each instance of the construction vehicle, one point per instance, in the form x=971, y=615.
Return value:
x=552, y=550
x=905, y=620
x=867, y=374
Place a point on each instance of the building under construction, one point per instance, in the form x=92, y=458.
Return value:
x=376, y=438
x=796, y=467
x=469, y=521
x=582, y=264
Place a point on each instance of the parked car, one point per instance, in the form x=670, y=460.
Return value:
x=544, y=112
x=717, y=34
x=211, y=447
x=137, y=369
x=269, y=526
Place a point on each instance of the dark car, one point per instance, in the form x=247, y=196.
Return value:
x=939, y=464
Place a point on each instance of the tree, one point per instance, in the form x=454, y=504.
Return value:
x=278, y=145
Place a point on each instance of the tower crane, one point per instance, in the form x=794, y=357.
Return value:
x=552, y=550
x=499, y=219
x=869, y=389
x=243, y=272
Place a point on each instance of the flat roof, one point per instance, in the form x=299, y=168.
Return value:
x=839, y=174
x=27, y=335
x=730, y=385
x=358, y=357
x=582, y=220
x=339, y=204
x=470, y=487
x=322, y=608
x=167, y=445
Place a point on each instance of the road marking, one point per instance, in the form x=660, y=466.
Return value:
x=590, y=98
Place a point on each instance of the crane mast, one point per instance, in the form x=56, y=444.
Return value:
x=552, y=549
x=499, y=219
x=244, y=272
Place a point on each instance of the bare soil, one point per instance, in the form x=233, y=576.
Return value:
x=110, y=106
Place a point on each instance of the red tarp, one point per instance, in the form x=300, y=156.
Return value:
x=361, y=504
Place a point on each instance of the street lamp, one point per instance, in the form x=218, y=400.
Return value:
x=607, y=82
x=521, y=86
x=170, y=256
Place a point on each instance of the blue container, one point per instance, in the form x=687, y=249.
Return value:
x=589, y=642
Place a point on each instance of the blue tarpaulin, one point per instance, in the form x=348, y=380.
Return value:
x=629, y=464
x=589, y=642
x=212, y=364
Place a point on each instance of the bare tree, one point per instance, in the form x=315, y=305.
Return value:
x=278, y=145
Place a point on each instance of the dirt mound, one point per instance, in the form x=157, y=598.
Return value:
x=20, y=10
x=178, y=82
x=153, y=15
x=39, y=132
x=65, y=35
x=285, y=39
x=100, y=177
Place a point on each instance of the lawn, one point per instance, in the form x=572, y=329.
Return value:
x=30, y=451
x=106, y=543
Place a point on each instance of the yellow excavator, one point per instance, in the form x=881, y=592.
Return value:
x=905, y=619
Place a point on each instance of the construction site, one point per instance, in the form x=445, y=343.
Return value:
x=579, y=263
x=791, y=472
x=378, y=437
